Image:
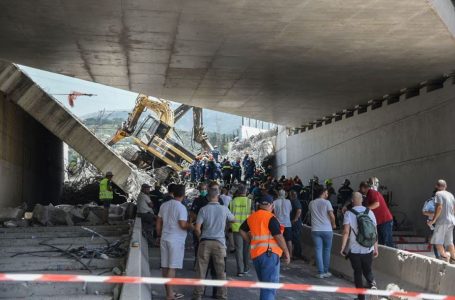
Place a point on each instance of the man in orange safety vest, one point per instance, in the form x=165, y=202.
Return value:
x=264, y=233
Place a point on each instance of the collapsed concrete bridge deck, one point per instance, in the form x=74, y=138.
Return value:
x=20, y=99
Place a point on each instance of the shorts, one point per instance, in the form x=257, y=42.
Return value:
x=442, y=235
x=106, y=203
x=172, y=253
x=287, y=234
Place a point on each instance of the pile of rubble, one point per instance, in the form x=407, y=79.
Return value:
x=261, y=147
x=49, y=215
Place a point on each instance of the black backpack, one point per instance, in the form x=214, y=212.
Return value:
x=367, y=234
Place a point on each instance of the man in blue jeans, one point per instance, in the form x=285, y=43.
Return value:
x=262, y=230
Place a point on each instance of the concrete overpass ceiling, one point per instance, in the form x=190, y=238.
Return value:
x=289, y=62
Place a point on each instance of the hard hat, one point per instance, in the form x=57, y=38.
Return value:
x=109, y=173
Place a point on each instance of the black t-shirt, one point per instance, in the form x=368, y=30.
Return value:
x=200, y=202
x=274, y=226
x=344, y=194
x=295, y=206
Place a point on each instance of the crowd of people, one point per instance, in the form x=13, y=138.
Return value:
x=260, y=220
x=209, y=166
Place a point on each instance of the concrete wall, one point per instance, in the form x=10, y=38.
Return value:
x=410, y=271
x=280, y=157
x=31, y=159
x=408, y=145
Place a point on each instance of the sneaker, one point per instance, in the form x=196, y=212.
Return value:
x=246, y=271
x=240, y=274
x=327, y=275
x=320, y=276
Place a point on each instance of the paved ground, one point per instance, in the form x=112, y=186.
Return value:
x=296, y=272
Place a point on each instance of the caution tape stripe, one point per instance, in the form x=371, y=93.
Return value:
x=225, y=283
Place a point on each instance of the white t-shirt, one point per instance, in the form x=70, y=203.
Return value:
x=226, y=200
x=143, y=202
x=351, y=219
x=282, y=211
x=447, y=202
x=171, y=212
x=319, y=210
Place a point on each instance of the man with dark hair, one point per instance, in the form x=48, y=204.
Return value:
x=212, y=241
x=227, y=171
x=262, y=230
x=296, y=221
x=170, y=192
x=376, y=203
x=236, y=171
x=172, y=226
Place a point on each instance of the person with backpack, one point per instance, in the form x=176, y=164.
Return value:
x=428, y=210
x=360, y=242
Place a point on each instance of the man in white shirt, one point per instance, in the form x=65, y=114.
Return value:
x=361, y=257
x=144, y=203
x=172, y=226
x=145, y=210
x=443, y=221
x=282, y=210
x=226, y=198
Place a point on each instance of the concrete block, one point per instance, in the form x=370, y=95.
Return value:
x=392, y=265
x=93, y=219
x=41, y=214
x=137, y=265
x=446, y=284
x=11, y=213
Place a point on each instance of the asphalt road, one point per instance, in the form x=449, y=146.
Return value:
x=296, y=272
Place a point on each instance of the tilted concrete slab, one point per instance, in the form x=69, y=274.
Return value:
x=20, y=89
x=301, y=59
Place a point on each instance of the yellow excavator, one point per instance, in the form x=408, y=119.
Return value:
x=154, y=136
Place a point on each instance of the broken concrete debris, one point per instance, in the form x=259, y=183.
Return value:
x=11, y=213
x=49, y=215
x=260, y=146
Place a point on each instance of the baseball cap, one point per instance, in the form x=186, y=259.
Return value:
x=109, y=173
x=266, y=199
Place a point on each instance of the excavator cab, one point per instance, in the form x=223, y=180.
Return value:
x=153, y=136
x=151, y=127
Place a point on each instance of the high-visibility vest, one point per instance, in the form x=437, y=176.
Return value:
x=261, y=237
x=241, y=209
x=105, y=194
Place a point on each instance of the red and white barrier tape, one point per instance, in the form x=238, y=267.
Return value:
x=225, y=283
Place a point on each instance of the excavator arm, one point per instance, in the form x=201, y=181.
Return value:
x=199, y=136
x=159, y=106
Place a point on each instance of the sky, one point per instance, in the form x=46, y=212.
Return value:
x=112, y=99
x=107, y=97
